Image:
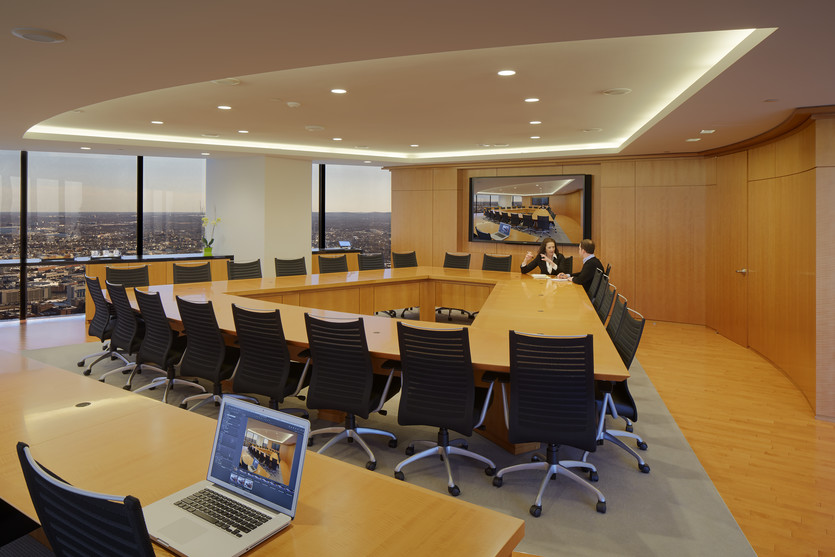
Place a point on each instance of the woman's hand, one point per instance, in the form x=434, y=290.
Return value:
x=528, y=257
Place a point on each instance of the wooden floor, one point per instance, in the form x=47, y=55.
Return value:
x=752, y=430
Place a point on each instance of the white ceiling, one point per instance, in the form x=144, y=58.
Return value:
x=416, y=73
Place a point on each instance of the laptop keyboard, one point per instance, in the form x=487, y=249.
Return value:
x=224, y=512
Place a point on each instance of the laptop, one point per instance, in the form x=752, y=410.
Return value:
x=503, y=233
x=250, y=491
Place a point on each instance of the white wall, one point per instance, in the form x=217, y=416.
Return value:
x=265, y=208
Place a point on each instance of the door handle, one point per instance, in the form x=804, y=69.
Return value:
x=743, y=271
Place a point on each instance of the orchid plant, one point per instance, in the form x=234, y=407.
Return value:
x=208, y=241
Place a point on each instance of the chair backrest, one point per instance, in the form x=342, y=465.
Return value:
x=158, y=339
x=247, y=270
x=101, y=324
x=205, y=348
x=126, y=332
x=333, y=263
x=342, y=374
x=608, y=271
x=370, y=261
x=594, y=287
x=265, y=361
x=482, y=235
x=496, y=262
x=607, y=297
x=456, y=261
x=527, y=220
x=80, y=522
x=567, y=265
x=543, y=222
x=552, y=391
x=399, y=260
x=437, y=372
x=192, y=273
x=617, y=315
x=515, y=219
x=628, y=336
x=129, y=277
x=290, y=267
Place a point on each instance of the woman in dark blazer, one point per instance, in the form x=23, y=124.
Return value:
x=548, y=259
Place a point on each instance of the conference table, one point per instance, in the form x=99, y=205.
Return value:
x=504, y=301
x=100, y=437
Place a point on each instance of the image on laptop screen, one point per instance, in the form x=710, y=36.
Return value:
x=504, y=229
x=258, y=457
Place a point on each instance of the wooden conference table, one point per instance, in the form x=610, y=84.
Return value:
x=505, y=301
x=102, y=438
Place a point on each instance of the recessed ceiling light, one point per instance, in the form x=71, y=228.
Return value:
x=339, y=91
x=532, y=100
x=483, y=144
x=86, y=148
x=591, y=130
x=617, y=91
x=414, y=145
x=771, y=100
x=535, y=137
x=210, y=135
x=38, y=35
x=707, y=131
x=157, y=122
x=227, y=81
x=367, y=162
x=314, y=128
x=293, y=104
x=205, y=154
x=691, y=139
x=535, y=122
x=360, y=146
x=337, y=139
x=243, y=131
x=224, y=107
x=501, y=145
x=507, y=72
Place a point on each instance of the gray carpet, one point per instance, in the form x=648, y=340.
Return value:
x=673, y=510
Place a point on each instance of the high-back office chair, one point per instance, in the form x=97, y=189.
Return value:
x=527, y=220
x=184, y=274
x=206, y=355
x=479, y=235
x=607, y=298
x=129, y=330
x=102, y=324
x=594, y=287
x=265, y=367
x=290, y=267
x=602, y=289
x=162, y=347
x=567, y=266
x=333, y=263
x=343, y=379
x=543, y=223
x=615, y=318
x=614, y=397
x=439, y=391
x=405, y=259
x=456, y=261
x=80, y=522
x=370, y=261
x=515, y=219
x=496, y=262
x=246, y=270
x=552, y=402
x=129, y=277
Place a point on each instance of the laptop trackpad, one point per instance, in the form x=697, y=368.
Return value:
x=183, y=530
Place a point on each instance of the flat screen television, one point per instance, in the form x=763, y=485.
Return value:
x=527, y=209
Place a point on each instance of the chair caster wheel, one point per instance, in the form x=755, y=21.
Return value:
x=600, y=441
x=310, y=442
x=593, y=476
x=644, y=468
x=393, y=443
x=87, y=371
x=410, y=450
x=454, y=491
x=183, y=405
x=536, y=510
x=371, y=464
x=101, y=380
x=535, y=458
x=629, y=428
x=152, y=388
x=465, y=446
x=400, y=476
x=80, y=364
x=126, y=387
x=498, y=481
x=350, y=439
x=642, y=445
x=490, y=471
x=553, y=477
x=601, y=507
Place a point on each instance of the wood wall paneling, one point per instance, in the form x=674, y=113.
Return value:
x=411, y=220
x=670, y=172
x=762, y=162
x=824, y=290
x=796, y=153
x=617, y=241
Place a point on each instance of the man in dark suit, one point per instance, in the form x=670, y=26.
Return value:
x=590, y=264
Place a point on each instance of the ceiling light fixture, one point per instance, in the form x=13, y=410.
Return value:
x=38, y=35
x=591, y=130
x=366, y=162
x=227, y=81
x=337, y=139
x=85, y=148
x=224, y=107
x=314, y=128
x=535, y=137
x=414, y=145
x=534, y=122
x=210, y=135
x=205, y=154
x=293, y=104
x=692, y=139
x=532, y=100
x=617, y=91
x=505, y=73
x=243, y=131
x=157, y=122
x=707, y=131
x=339, y=91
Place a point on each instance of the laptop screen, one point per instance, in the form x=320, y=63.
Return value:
x=504, y=228
x=259, y=453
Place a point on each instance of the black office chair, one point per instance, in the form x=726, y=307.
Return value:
x=607, y=298
x=102, y=324
x=162, y=347
x=479, y=235
x=614, y=397
x=594, y=287
x=343, y=379
x=333, y=263
x=515, y=219
x=552, y=402
x=265, y=367
x=206, y=356
x=496, y=262
x=129, y=330
x=370, y=262
x=129, y=277
x=455, y=261
x=527, y=221
x=615, y=318
x=567, y=265
x=290, y=267
x=543, y=223
x=81, y=522
x=439, y=391
x=184, y=274
x=247, y=270
x=402, y=260
x=602, y=290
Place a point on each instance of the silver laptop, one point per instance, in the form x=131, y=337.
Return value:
x=503, y=233
x=251, y=489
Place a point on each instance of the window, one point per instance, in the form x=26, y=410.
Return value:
x=174, y=199
x=9, y=234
